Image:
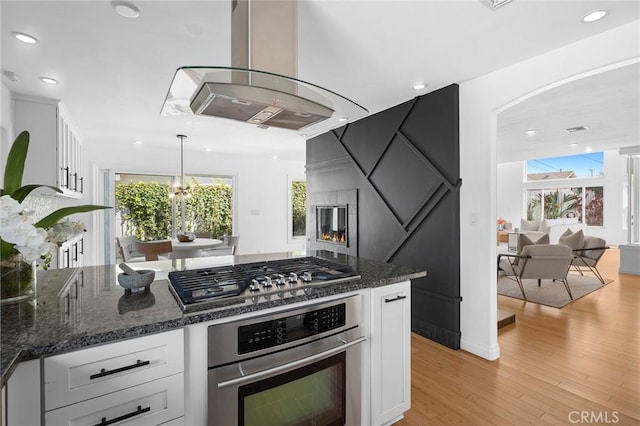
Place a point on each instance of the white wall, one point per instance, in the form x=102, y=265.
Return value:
x=260, y=184
x=6, y=125
x=511, y=196
x=481, y=99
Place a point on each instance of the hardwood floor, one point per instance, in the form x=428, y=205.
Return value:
x=575, y=365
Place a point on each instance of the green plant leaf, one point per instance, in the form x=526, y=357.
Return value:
x=15, y=164
x=21, y=193
x=53, y=218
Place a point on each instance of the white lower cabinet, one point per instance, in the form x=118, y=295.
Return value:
x=390, y=352
x=136, y=381
x=23, y=394
x=151, y=403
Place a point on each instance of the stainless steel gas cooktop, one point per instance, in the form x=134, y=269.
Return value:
x=255, y=281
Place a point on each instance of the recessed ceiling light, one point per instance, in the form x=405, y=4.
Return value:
x=576, y=129
x=49, y=80
x=594, y=16
x=10, y=75
x=573, y=145
x=207, y=150
x=418, y=86
x=342, y=119
x=138, y=142
x=125, y=9
x=494, y=4
x=25, y=38
x=588, y=149
x=530, y=132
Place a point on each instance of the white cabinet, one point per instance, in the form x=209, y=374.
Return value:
x=137, y=381
x=52, y=136
x=70, y=253
x=23, y=394
x=390, y=352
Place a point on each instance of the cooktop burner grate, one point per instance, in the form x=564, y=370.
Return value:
x=200, y=285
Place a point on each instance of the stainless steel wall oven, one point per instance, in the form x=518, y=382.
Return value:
x=296, y=367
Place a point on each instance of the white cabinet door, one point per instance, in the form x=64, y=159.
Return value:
x=80, y=375
x=151, y=403
x=390, y=352
x=52, y=135
x=23, y=394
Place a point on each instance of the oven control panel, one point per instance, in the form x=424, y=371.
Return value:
x=278, y=331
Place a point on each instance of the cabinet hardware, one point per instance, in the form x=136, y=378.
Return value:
x=81, y=245
x=81, y=184
x=140, y=410
x=67, y=264
x=75, y=181
x=394, y=299
x=104, y=372
x=65, y=179
x=75, y=252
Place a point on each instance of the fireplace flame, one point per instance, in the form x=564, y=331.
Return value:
x=334, y=237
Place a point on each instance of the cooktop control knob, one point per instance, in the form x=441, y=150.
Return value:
x=254, y=286
x=267, y=282
x=279, y=279
x=306, y=276
x=293, y=278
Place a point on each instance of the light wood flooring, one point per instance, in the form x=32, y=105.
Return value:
x=575, y=365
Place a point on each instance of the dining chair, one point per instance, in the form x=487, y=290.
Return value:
x=202, y=234
x=127, y=249
x=152, y=249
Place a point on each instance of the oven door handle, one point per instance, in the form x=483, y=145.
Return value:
x=291, y=365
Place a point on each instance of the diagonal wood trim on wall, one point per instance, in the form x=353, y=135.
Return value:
x=405, y=166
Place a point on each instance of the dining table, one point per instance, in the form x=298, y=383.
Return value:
x=182, y=250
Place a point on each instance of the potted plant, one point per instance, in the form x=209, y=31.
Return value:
x=22, y=241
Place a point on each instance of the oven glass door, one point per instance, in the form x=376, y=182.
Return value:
x=311, y=395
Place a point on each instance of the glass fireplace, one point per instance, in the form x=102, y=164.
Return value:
x=331, y=222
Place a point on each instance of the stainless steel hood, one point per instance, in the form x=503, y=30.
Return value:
x=260, y=87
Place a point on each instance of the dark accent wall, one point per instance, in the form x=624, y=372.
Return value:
x=404, y=163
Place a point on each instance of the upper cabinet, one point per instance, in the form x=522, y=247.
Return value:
x=55, y=149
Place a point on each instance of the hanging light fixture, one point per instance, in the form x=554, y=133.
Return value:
x=180, y=189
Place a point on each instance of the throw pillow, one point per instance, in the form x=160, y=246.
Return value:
x=575, y=240
x=593, y=242
x=528, y=225
x=524, y=240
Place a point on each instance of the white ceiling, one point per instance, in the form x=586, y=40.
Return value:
x=114, y=72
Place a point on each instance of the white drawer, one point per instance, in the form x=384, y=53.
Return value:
x=88, y=373
x=151, y=403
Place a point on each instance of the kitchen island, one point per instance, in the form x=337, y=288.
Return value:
x=81, y=308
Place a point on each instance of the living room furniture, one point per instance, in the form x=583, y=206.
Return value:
x=502, y=236
x=586, y=259
x=554, y=227
x=538, y=261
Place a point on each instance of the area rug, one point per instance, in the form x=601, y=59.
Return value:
x=551, y=293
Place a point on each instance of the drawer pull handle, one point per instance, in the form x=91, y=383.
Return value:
x=140, y=410
x=394, y=299
x=104, y=372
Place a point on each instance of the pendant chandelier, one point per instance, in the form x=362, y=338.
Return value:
x=181, y=189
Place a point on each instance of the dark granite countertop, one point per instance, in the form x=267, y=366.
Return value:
x=80, y=307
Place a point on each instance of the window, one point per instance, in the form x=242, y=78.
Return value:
x=568, y=167
x=585, y=203
x=146, y=205
x=298, y=208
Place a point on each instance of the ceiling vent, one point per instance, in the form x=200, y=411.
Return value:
x=494, y=4
x=576, y=129
x=261, y=85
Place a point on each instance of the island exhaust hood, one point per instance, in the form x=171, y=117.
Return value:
x=260, y=87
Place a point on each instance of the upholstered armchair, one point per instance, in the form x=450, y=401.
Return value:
x=539, y=261
x=586, y=258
